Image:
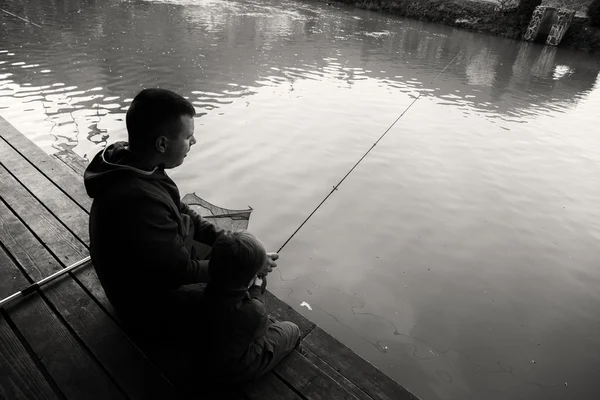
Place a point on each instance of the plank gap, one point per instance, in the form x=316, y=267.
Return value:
x=286, y=383
x=52, y=294
x=309, y=331
x=70, y=365
x=72, y=274
x=45, y=175
x=375, y=383
x=44, y=205
x=35, y=235
x=61, y=319
x=16, y=262
x=336, y=375
x=32, y=355
x=87, y=291
x=310, y=380
x=78, y=339
x=72, y=160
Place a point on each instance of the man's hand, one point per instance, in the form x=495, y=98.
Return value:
x=269, y=265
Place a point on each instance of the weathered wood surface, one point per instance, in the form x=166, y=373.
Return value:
x=336, y=376
x=363, y=374
x=50, y=196
x=59, y=351
x=20, y=377
x=73, y=161
x=105, y=340
x=56, y=171
x=40, y=233
x=81, y=300
x=66, y=247
x=309, y=380
x=269, y=387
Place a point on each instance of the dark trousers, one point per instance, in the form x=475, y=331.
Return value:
x=281, y=339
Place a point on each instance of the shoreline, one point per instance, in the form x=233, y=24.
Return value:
x=479, y=16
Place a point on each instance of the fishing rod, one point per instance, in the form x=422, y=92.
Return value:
x=365, y=155
x=34, y=286
x=31, y=288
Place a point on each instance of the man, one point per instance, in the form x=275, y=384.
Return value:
x=141, y=234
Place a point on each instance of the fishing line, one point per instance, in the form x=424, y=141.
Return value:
x=365, y=155
x=351, y=169
x=21, y=18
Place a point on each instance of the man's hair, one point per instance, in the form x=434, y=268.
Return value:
x=236, y=257
x=151, y=112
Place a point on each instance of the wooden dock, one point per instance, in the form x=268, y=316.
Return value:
x=64, y=341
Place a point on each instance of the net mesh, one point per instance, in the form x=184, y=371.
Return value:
x=222, y=217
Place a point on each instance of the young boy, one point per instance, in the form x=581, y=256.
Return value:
x=140, y=232
x=242, y=343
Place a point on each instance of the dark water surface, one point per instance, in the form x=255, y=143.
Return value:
x=461, y=256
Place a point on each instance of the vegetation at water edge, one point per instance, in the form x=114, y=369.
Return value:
x=491, y=17
x=594, y=13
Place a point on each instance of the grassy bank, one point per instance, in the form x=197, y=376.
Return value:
x=480, y=16
x=582, y=36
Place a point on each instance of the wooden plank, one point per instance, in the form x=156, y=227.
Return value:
x=119, y=356
x=309, y=380
x=62, y=243
x=336, y=376
x=269, y=387
x=363, y=374
x=75, y=372
x=202, y=392
x=284, y=312
x=73, y=161
x=65, y=209
x=20, y=378
x=71, y=250
x=56, y=171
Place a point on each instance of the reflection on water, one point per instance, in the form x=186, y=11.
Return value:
x=461, y=250
x=76, y=75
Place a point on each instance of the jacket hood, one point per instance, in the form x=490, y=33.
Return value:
x=114, y=163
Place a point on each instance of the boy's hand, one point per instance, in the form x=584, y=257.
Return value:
x=272, y=258
x=257, y=281
x=261, y=282
x=269, y=265
x=263, y=286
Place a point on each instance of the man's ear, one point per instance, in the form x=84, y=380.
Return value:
x=161, y=144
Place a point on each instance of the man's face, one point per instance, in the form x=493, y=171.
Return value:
x=180, y=143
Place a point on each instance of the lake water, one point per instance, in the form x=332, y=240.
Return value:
x=460, y=257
